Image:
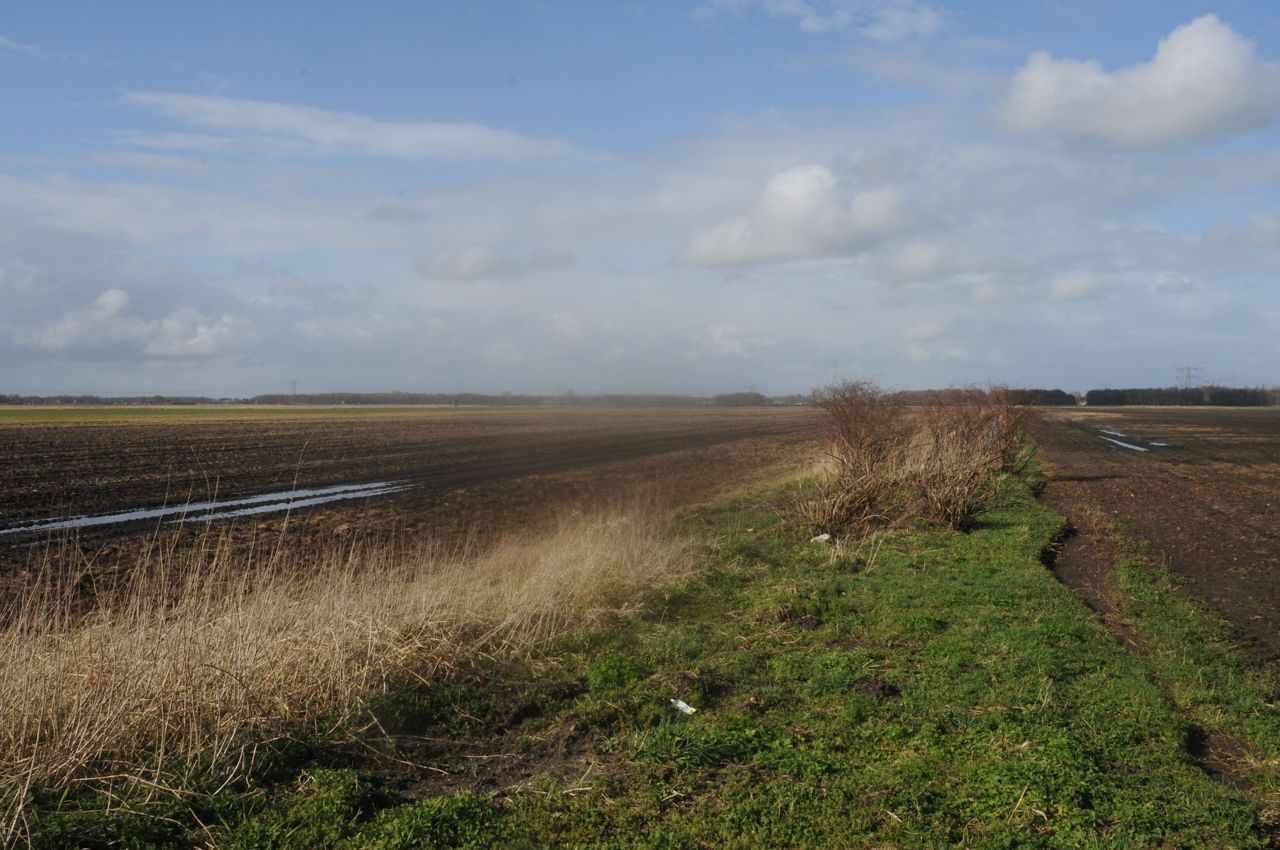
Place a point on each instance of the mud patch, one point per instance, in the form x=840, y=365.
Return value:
x=534, y=741
x=1218, y=755
x=1207, y=502
x=878, y=689
x=1083, y=556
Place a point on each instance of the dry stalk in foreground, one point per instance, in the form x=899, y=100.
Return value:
x=193, y=664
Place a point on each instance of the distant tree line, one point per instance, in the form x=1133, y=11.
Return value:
x=1016, y=396
x=739, y=399
x=107, y=401
x=407, y=398
x=481, y=399
x=1213, y=395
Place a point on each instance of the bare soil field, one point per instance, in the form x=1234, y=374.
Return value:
x=1207, y=499
x=464, y=469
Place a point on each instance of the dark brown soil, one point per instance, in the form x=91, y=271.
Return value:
x=1207, y=501
x=478, y=473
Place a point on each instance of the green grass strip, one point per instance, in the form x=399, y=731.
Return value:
x=927, y=689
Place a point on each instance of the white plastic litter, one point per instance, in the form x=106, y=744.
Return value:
x=1112, y=433
x=821, y=538
x=681, y=705
x=1159, y=443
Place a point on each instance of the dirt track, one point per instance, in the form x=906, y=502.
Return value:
x=1208, y=501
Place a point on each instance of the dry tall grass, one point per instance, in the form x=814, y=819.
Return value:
x=893, y=462
x=190, y=663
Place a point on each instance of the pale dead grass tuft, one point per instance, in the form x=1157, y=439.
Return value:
x=189, y=664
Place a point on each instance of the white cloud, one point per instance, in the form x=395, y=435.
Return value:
x=1074, y=286
x=738, y=342
x=895, y=65
x=101, y=321
x=924, y=331
x=883, y=20
x=105, y=327
x=1204, y=84
x=240, y=125
x=479, y=263
x=35, y=51
x=805, y=211
x=1262, y=228
x=189, y=333
x=1175, y=284
x=910, y=257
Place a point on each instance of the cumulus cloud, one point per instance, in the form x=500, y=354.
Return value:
x=1204, y=84
x=241, y=125
x=883, y=20
x=807, y=211
x=105, y=327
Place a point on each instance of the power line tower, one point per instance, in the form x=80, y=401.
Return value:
x=1188, y=376
x=293, y=391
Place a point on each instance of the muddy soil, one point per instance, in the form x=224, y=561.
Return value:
x=1207, y=500
x=474, y=474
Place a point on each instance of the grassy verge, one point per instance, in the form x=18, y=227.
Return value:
x=925, y=688
x=1217, y=683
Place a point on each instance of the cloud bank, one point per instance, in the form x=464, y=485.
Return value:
x=1205, y=84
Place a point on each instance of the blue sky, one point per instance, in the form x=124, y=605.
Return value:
x=691, y=197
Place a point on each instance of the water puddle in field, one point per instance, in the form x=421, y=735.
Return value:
x=221, y=508
x=1125, y=445
x=1112, y=433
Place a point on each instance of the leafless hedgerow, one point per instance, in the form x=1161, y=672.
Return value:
x=869, y=436
x=892, y=462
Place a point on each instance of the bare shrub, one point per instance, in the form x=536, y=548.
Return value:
x=962, y=442
x=891, y=461
x=954, y=459
x=192, y=664
x=1012, y=423
x=867, y=435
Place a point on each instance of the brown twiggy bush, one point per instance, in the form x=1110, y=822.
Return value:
x=893, y=462
x=193, y=662
x=1012, y=423
x=954, y=459
x=963, y=441
x=868, y=435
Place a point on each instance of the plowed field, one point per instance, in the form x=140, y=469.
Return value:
x=1207, y=498
x=469, y=469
